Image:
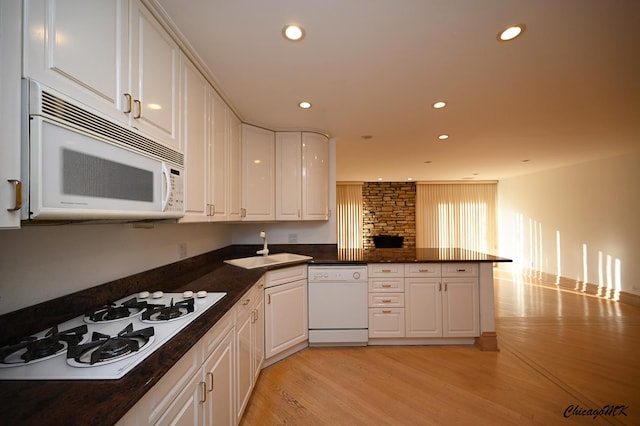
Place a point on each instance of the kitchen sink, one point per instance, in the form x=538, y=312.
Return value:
x=270, y=260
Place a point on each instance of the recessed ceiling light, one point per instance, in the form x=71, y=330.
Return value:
x=440, y=104
x=293, y=32
x=427, y=162
x=304, y=105
x=511, y=32
x=379, y=178
x=443, y=137
x=367, y=137
x=410, y=178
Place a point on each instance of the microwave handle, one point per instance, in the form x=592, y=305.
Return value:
x=166, y=190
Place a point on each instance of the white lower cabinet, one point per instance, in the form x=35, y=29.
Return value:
x=286, y=313
x=211, y=384
x=250, y=344
x=418, y=302
x=442, y=306
x=218, y=378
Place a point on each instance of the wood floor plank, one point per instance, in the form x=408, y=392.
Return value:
x=557, y=349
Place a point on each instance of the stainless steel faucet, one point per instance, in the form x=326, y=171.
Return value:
x=265, y=249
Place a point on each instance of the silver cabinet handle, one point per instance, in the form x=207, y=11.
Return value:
x=17, y=186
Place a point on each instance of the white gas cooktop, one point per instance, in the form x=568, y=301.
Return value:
x=148, y=325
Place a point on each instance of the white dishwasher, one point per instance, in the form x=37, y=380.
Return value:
x=338, y=308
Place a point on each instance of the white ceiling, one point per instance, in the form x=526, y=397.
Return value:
x=566, y=91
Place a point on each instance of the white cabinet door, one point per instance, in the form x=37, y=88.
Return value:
x=258, y=177
x=315, y=177
x=80, y=48
x=286, y=317
x=244, y=357
x=10, y=52
x=155, y=67
x=258, y=330
x=188, y=407
x=249, y=344
x=220, y=155
x=195, y=90
x=288, y=176
x=386, y=323
x=219, y=380
x=234, y=172
x=423, y=315
x=460, y=307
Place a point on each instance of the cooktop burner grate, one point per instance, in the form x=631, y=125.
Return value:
x=177, y=310
x=105, y=348
x=114, y=312
x=33, y=349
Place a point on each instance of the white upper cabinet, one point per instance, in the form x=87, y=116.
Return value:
x=195, y=134
x=258, y=174
x=234, y=172
x=154, y=83
x=302, y=176
x=288, y=176
x=80, y=48
x=226, y=169
x=315, y=177
x=112, y=56
x=10, y=52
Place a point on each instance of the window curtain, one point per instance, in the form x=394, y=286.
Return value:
x=457, y=216
x=349, y=215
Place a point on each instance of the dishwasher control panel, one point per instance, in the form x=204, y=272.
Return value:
x=337, y=273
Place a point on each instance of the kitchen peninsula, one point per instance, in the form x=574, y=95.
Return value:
x=106, y=401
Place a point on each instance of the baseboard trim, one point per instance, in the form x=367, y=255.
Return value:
x=577, y=286
x=488, y=341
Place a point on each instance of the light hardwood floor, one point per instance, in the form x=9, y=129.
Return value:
x=557, y=349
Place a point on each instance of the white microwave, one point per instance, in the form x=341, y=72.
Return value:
x=78, y=165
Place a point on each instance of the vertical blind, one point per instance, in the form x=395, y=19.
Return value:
x=349, y=215
x=456, y=216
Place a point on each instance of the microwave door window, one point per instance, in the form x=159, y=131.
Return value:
x=90, y=176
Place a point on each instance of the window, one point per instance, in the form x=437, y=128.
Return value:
x=349, y=215
x=456, y=216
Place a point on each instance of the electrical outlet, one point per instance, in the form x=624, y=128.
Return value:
x=293, y=238
x=182, y=250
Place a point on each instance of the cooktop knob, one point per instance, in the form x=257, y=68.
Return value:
x=143, y=295
x=202, y=293
x=187, y=294
x=158, y=294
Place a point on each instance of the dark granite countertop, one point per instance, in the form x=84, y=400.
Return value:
x=104, y=402
x=410, y=255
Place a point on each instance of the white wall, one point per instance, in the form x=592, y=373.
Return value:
x=579, y=222
x=38, y=263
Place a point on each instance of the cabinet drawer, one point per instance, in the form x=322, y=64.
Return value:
x=386, y=270
x=459, y=269
x=217, y=332
x=422, y=270
x=386, y=322
x=379, y=300
x=285, y=275
x=389, y=285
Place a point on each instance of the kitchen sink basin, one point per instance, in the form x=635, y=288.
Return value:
x=270, y=260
